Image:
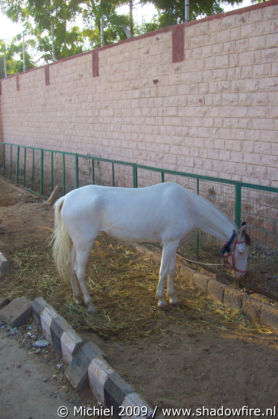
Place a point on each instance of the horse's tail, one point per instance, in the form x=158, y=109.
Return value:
x=61, y=242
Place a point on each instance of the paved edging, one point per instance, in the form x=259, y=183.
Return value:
x=86, y=364
x=4, y=265
x=258, y=311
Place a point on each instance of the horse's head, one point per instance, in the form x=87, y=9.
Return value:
x=235, y=251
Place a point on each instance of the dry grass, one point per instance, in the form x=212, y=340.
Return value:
x=122, y=283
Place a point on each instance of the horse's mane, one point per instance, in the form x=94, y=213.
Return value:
x=212, y=220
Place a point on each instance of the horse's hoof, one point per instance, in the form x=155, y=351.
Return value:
x=174, y=301
x=177, y=304
x=91, y=308
x=163, y=306
x=78, y=301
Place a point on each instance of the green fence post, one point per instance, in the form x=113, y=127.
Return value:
x=238, y=204
x=64, y=174
x=4, y=159
x=93, y=171
x=11, y=160
x=51, y=172
x=24, y=168
x=17, y=165
x=113, y=174
x=162, y=177
x=33, y=166
x=41, y=173
x=135, y=176
x=76, y=171
x=197, y=232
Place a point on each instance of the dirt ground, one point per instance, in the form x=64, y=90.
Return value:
x=32, y=382
x=196, y=355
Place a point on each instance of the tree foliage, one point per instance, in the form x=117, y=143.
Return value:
x=51, y=28
x=13, y=55
x=95, y=11
x=38, y=16
x=173, y=12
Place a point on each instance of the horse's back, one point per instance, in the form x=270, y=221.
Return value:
x=135, y=214
x=155, y=199
x=87, y=194
x=142, y=214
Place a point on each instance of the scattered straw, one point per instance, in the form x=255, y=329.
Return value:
x=122, y=283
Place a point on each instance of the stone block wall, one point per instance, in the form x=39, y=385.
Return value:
x=199, y=97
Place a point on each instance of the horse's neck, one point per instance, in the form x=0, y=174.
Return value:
x=211, y=220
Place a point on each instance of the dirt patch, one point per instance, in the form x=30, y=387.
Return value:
x=198, y=354
x=32, y=380
x=24, y=218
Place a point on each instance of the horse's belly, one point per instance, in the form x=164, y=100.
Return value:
x=133, y=234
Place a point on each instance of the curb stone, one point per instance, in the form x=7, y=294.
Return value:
x=201, y=282
x=57, y=330
x=38, y=306
x=98, y=372
x=252, y=308
x=4, y=265
x=268, y=316
x=77, y=371
x=70, y=343
x=116, y=390
x=233, y=298
x=236, y=299
x=113, y=391
x=17, y=312
x=47, y=315
x=216, y=290
x=3, y=302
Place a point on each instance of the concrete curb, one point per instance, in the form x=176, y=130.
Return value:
x=17, y=312
x=4, y=265
x=3, y=302
x=257, y=311
x=87, y=364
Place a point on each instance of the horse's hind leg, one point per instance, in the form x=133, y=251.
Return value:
x=168, y=253
x=170, y=287
x=82, y=256
x=74, y=282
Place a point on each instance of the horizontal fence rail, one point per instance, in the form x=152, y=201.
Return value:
x=41, y=169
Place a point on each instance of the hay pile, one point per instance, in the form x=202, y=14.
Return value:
x=122, y=283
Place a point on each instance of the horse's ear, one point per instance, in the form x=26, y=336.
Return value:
x=242, y=231
x=243, y=227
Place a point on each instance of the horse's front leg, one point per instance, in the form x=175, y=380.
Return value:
x=168, y=253
x=82, y=256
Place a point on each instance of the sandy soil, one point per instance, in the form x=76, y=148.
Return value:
x=222, y=363
x=32, y=383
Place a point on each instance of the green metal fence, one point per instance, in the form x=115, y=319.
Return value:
x=40, y=170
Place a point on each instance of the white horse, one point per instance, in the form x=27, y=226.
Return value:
x=163, y=213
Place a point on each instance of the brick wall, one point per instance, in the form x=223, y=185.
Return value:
x=200, y=97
